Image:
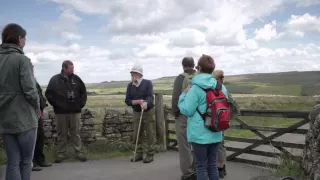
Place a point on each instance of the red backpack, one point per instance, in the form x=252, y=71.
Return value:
x=218, y=112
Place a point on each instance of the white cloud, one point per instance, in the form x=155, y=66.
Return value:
x=159, y=33
x=65, y=26
x=186, y=37
x=290, y=34
x=71, y=36
x=221, y=21
x=306, y=3
x=267, y=33
x=304, y=23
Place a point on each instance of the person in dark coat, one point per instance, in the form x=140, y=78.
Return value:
x=39, y=159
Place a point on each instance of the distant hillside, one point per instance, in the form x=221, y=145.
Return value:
x=284, y=83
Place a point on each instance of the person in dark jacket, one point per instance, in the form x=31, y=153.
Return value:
x=19, y=104
x=67, y=94
x=39, y=159
x=187, y=165
x=139, y=96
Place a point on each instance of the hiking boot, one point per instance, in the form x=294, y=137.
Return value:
x=36, y=167
x=148, y=159
x=222, y=172
x=81, y=157
x=139, y=157
x=59, y=158
x=192, y=177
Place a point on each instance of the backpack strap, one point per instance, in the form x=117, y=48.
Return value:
x=218, y=88
x=219, y=85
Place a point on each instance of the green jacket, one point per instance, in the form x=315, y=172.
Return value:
x=19, y=99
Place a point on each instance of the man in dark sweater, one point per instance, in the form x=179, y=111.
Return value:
x=182, y=82
x=139, y=96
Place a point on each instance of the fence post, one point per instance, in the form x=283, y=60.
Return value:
x=160, y=120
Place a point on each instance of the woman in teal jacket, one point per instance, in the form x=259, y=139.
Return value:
x=204, y=142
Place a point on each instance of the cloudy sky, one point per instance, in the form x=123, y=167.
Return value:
x=105, y=38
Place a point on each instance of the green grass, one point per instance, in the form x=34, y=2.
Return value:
x=289, y=167
x=293, y=90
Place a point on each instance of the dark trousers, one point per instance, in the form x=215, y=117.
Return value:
x=206, y=161
x=39, y=157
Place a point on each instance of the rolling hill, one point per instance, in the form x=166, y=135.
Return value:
x=305, y=83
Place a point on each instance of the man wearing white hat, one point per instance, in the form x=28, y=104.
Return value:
x=139, y=96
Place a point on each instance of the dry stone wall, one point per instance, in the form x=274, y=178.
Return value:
x=117, y=124
x=311, y=152
x=87, y=127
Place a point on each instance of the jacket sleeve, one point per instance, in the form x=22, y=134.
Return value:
x=188, y=102
x=50, y=92
x=177, y=86
x=43, y=103
x=128, y=99
x=150, y=95
x=83, y=93
x=28, y=84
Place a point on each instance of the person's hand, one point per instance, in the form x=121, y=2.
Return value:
x=144, y=105
x=137, y=102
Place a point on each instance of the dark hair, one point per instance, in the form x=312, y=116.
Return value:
x=12, y=32
x=188, y=62
x=206, y=63
x=66, y=64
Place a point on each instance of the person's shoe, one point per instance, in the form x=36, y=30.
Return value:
x=81, y=157
x=148, y=159
x=36, y=167
x=59, y=158
x=45, y=164
x=192, y=177
x=222, y=172
x=139, y=157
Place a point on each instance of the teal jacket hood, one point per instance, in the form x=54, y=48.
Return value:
x=205, y=81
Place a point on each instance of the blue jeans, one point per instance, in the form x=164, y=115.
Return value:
x=19, y=150
x=206, y=161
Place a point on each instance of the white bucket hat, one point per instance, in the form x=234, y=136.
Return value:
x=137, y=69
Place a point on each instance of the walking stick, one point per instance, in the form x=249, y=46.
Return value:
x=135, y=149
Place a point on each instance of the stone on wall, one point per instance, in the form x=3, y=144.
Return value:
x=117, y=124
x=311, y=152
x=87, y=127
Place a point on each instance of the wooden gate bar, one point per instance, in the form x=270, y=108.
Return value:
x=269, y=138
x=263, y=137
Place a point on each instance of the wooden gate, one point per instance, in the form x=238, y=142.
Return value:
x=259, y=138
